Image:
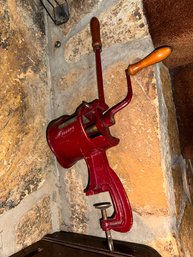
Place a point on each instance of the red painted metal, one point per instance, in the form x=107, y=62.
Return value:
x=85, y=134
x=109, y=115
x=99, y=74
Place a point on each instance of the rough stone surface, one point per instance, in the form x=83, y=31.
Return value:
x=173, y=133
x=75, y=195
x=25, y=112
x=166, y=246
x=178, y=187
x=34, y=224
x=26, y=165
x=137, y=125
x=186, y=230
x=188, y=180
x=24, y=96
x=78, y=9
x=77, y=84
x=138, y=159
x=69, y=80
x=128, y=27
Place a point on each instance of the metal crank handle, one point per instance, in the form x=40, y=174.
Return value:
x=156, y=56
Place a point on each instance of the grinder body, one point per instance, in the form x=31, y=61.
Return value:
x=83, y=135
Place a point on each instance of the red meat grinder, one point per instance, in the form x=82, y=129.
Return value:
x=85, y=134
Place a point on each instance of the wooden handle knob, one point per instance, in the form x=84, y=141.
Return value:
x=95, y=33
x=157, y=55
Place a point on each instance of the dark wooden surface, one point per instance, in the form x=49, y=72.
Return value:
x=66, y=244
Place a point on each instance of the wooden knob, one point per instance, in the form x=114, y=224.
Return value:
x=95, y=33
x=157, y=55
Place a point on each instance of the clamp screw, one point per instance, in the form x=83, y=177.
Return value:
x=103, y=207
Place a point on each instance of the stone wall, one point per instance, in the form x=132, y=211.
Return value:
x=40, y=82
x=28, y=181
x=144, y=160
x=182, y=88
x=177, y=14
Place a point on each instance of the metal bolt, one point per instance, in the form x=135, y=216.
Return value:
x=57, y=44
x=103, y=207
x=86, y=104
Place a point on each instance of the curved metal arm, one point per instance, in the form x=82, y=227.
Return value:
x=108, y=119
x=103, y=179
x=157, y=55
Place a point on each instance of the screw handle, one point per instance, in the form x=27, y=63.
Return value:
x=103, y=207
x=157, y=55
x=95, y=33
